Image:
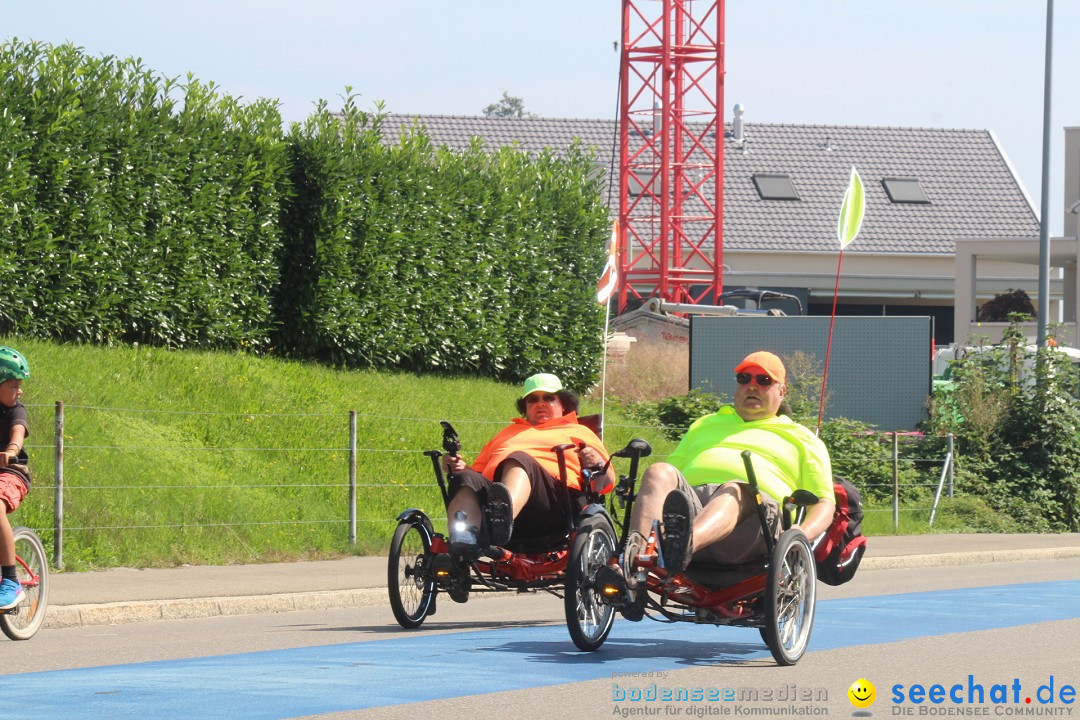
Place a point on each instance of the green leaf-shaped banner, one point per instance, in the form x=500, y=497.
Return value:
x=851, y=213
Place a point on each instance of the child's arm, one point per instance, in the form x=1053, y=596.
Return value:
x=11, y=453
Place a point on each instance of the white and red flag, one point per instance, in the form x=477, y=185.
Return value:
x=609, y=279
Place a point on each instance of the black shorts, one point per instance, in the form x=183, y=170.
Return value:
x=551, y=508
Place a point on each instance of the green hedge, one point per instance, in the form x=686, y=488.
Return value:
x=129, y=215
x=137, y=208
x=423, y=258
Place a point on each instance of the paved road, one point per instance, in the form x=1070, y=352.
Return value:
x=998, y=621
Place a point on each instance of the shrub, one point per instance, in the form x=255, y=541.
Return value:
x=865, y=457
x=1014, y=414
x=804, y=377
x=143, y=209
x=675, y=414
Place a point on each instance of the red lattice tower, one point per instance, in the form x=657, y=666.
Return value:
x=671, y=139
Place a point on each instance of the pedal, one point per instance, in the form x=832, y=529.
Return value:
x=498, y=554
x=611, y=586
x=442, y=567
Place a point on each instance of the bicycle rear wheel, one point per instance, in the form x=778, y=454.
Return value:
x=23, y=621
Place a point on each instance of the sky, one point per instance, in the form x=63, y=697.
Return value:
x=975, y=64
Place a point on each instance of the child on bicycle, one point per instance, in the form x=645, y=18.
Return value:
x=14, y=474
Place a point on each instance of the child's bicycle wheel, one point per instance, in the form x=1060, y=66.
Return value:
x=23, y=621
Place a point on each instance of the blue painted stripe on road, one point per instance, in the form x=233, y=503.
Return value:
x=412, y=668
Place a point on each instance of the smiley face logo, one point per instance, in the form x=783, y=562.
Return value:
x=862, y=693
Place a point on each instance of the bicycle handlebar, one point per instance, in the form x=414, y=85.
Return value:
x=450, y=442
x=636, y=447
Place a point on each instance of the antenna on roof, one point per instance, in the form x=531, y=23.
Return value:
x=737, y=129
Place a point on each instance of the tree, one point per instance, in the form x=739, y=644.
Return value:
x=1002, y=305
x=508, y=107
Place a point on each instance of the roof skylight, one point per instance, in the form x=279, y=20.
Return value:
x=905, y=190
x=775, y=186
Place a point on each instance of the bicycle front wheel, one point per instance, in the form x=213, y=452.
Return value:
x=412, y=590
x=790, y=596
x=588, y=617
x=23, y=621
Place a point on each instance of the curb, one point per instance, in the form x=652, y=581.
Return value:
x=116, y=613
x=975, y=557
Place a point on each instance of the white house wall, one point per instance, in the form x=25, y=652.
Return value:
x=891, y=279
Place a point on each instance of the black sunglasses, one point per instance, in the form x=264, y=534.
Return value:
x=762, y=379
x=548, y=398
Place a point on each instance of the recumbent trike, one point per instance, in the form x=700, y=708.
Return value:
x=421, y=565
x=775, y=593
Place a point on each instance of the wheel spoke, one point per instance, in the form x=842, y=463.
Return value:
x=789, y=600
x=588, y=611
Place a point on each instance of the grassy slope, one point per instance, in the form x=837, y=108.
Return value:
x=195, y=457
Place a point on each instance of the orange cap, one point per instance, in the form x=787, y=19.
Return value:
x=768, y=362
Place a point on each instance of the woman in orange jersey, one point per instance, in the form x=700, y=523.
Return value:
x=516, y=475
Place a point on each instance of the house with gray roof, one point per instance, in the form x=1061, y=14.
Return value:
x=783, y=187
x=1063, y=253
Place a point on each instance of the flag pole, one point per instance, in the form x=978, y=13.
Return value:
x=847, y=227
x=828, y=345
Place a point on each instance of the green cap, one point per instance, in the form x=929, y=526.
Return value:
x=542, y=382
x=13, y=365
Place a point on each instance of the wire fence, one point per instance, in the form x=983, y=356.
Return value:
x=916, y=484
x=273, y=482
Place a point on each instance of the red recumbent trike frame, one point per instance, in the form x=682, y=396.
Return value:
x=421, y=565
x=775, y=593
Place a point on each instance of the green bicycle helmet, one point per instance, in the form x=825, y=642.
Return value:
x=13, y=365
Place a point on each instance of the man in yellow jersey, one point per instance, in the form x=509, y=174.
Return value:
x=700, y=494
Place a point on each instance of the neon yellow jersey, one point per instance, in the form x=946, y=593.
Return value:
x=786, y=455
